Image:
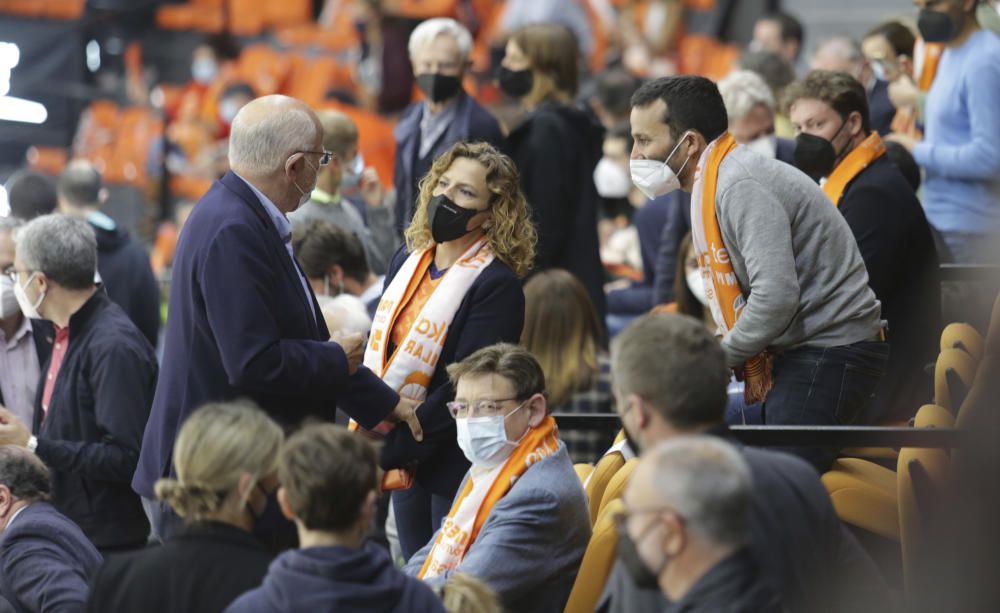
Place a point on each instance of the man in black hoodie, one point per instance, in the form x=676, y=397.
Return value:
x=329, y=487
x=122, y=262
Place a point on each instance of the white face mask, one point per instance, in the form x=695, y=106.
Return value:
x=483, y=440
x=611, y=180
x=697, y=286
x=767, y=146
x=655, y=178
x=8, y=298
x=228, y=110
x=351, y=176
x=30, y=310
x=204, y=70
x=307, y=194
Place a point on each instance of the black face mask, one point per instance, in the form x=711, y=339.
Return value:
x=937, y=27
x=628, y=553
x=814, y=155
x=516, y=83
x=448, y=221
x=438, y=87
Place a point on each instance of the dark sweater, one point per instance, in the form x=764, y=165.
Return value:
x=128, y=277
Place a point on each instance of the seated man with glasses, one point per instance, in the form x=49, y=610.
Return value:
x=520, y=521
x=684, y=528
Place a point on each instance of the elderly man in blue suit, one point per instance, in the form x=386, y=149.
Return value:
x=439, y=52
x=45, y=559
x=244, y=321
x=520, y=521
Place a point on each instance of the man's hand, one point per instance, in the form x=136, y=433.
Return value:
x=371, y=188
x=354, y=348
x=907, y=141
x=12, y=430
x=406, y=412
x=903, y=92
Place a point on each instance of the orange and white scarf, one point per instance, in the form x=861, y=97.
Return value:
x=725, y=297
x=412, y=364
x=857, y=160
x=481, y=493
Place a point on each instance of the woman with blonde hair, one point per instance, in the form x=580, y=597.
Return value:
x=454, y=288
x=561, y=329
x=226, y=462
x=556, y=148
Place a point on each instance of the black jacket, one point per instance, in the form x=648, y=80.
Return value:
x=556, y=150
x=492, y=311
x=731, y=586
x=90, y=438
x=881, y=111
x=803, y=550
x=895, y=240
x=201, y=570
x=128, y=277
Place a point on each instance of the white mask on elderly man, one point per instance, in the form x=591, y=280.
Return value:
x=8, y=299
x=483, y=440
x=611, y=180
x=767, y=146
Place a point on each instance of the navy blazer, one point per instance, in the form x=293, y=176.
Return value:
x=45, y=561
x=241, y=325
x=471, y=123
x=491, y=312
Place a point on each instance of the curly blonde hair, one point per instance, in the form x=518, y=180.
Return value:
x=512, y=234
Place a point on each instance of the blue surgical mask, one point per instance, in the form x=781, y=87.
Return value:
x=483, y=440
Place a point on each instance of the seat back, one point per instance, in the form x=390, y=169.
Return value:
x=604, y=470
x=583, y=470
x=933, y=416
x=616, y=486
x=953, y=375
x=964, y=337
x=922, y=477
x=598, y=560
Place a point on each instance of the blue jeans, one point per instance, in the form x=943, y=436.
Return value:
x=825, y=386
x=419, y=513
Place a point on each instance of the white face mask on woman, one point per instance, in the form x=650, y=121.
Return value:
x=655, y=178
x=483, y=440
x=696, y=284
x=611, y=180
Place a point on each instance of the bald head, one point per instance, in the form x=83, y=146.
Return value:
x=340, y=133
x=80, y=185
x=267, y=131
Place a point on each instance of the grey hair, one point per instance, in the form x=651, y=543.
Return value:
x=62, y=248
x=349, y=311
x=841, y=47
x=706, y=481
x=10, y=223
x=23, y=473
x=260, y=148
x=742, y=91
x=427, y=31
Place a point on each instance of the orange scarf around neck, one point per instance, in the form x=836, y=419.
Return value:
x=851, y=166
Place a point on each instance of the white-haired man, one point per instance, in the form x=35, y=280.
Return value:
x=439, y=52
x=244, y=321
x=844, y=54
x=751, y=109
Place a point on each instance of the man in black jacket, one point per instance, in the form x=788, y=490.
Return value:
x=94, y=399
x=670, y=380
x=122, y=261
x=836, y=143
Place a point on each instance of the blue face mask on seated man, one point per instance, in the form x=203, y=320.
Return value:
x=483, y=440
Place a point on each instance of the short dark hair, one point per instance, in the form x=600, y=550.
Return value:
x=31, y=194
x=319, y=244
x=238, y=88
x=676, y=365
x=838, y=89
x=776, y=71
x=327, y=472
x=693, y=103
x=614, y=88
x=25, y=475
x=900, y=37
x=790, y=28
x=904, y=161
x=622, y=131
x=512, y=362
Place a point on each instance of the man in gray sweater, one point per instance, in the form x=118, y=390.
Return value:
x=805, y=296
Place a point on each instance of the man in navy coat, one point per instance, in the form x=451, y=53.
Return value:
x=243, y=319
x=45, y=560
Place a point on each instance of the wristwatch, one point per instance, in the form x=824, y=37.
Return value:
x=32, y=444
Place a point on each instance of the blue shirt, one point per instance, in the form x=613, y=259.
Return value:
x=284, y=228
x=961, y=150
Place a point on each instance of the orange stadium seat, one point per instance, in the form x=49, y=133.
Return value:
x=48, y=160
x=598, y=560
x=264, y=68
x=376, y=141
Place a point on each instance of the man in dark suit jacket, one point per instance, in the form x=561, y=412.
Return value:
x=671, y=376
x=890, y=227
x=439, y=52
x=45, y=560
x=244, y=321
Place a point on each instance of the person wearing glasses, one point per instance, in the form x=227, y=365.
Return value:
x=684, y=528
x=244, y=322
x=520, y=521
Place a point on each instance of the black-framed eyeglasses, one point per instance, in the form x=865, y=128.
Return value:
x=480, y=408
x=325, y=156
